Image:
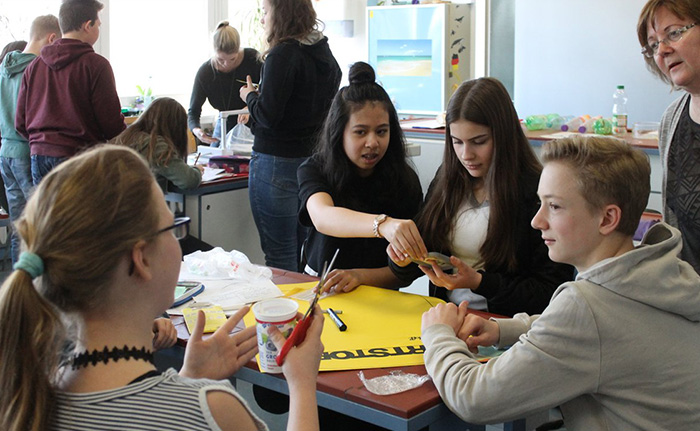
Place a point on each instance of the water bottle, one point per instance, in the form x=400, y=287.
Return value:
x=602, y=126
x=555, y=121
x=536, y=122
x=619, y=118
x=574, y=123
x=587, y=126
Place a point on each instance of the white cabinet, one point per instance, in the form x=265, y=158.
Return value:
x=221, y=216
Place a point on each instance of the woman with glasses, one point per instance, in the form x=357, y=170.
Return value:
x=669, y=33
x=100, y=260
x=219, y=79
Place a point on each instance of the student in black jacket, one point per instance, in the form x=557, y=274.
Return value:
x=299, y=79
x=478, y=210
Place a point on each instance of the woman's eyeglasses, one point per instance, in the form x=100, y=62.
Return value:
x=672, y=36
x=180, y=228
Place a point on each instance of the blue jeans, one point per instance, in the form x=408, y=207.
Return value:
x=42, y=165
x=216, y=133
x=17, y=175
x=274, y=200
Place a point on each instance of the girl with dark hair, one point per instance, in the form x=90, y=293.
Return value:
x=478, y=209
x=358, y=191
x=160, y=136
x=299, y=79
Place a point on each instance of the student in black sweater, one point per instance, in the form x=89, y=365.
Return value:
x=358, y=191
x=219, y=80
x=299, y=79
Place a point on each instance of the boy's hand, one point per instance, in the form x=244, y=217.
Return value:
x=447, y=314
x=477, y=331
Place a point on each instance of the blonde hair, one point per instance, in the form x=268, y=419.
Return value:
x=608, y=171
x=43, y=26
x=84, y=217
x=226, y=38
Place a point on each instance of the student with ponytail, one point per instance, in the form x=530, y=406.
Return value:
x=100, y=261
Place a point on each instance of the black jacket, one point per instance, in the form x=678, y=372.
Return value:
x=298, y=85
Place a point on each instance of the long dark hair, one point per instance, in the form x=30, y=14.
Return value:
x=164, y=117
x=337, y=168
x=483, y=101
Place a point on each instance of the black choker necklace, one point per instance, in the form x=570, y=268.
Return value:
x=84, y=359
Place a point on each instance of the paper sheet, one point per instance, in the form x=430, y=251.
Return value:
x=212, y=174
x=230, y=294
x=383, y=327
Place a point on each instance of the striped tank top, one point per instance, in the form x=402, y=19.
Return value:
x=163, y=402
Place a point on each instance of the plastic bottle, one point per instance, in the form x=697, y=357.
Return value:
x=587, y=126
x=602, y=126
x=619, y=118
x=555, y=121
x=574, y=123
x=536, y=122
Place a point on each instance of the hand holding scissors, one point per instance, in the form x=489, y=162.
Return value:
x=299, y=332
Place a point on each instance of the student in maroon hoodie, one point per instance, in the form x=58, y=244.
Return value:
x=68, y=98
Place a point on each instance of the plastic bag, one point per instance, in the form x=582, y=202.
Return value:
x=397, y=381
x=217, y=263
x=240, y=140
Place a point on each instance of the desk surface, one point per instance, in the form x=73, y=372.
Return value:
x=237, y=181
x=538, y=135
x=346, y=384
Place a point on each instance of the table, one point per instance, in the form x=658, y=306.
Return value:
x=343, y=391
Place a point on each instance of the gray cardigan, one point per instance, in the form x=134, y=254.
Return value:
x=669, y=122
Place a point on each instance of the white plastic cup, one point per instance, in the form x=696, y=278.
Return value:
x=280, y=312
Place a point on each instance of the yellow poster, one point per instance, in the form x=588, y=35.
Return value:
x=383, y=327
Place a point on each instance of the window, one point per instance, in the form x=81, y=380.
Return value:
x=16, y=18
x=158, y=44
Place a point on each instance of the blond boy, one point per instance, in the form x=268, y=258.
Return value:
x=616, y=348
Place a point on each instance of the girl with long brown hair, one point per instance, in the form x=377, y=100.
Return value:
x=299, y=80
x=479, y=206
x=160, y=136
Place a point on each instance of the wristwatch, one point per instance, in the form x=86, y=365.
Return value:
x=381, y=218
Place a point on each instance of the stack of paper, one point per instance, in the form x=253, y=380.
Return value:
x=230, y=294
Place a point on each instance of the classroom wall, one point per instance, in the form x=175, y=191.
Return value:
x=570, y=56
x=502, y=42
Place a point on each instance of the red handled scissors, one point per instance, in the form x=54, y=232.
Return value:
x=299, y=332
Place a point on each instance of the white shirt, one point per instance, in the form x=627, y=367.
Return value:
x=468, y=235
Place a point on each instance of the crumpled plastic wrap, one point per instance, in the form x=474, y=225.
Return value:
x=397, y=381
x=217, y=263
